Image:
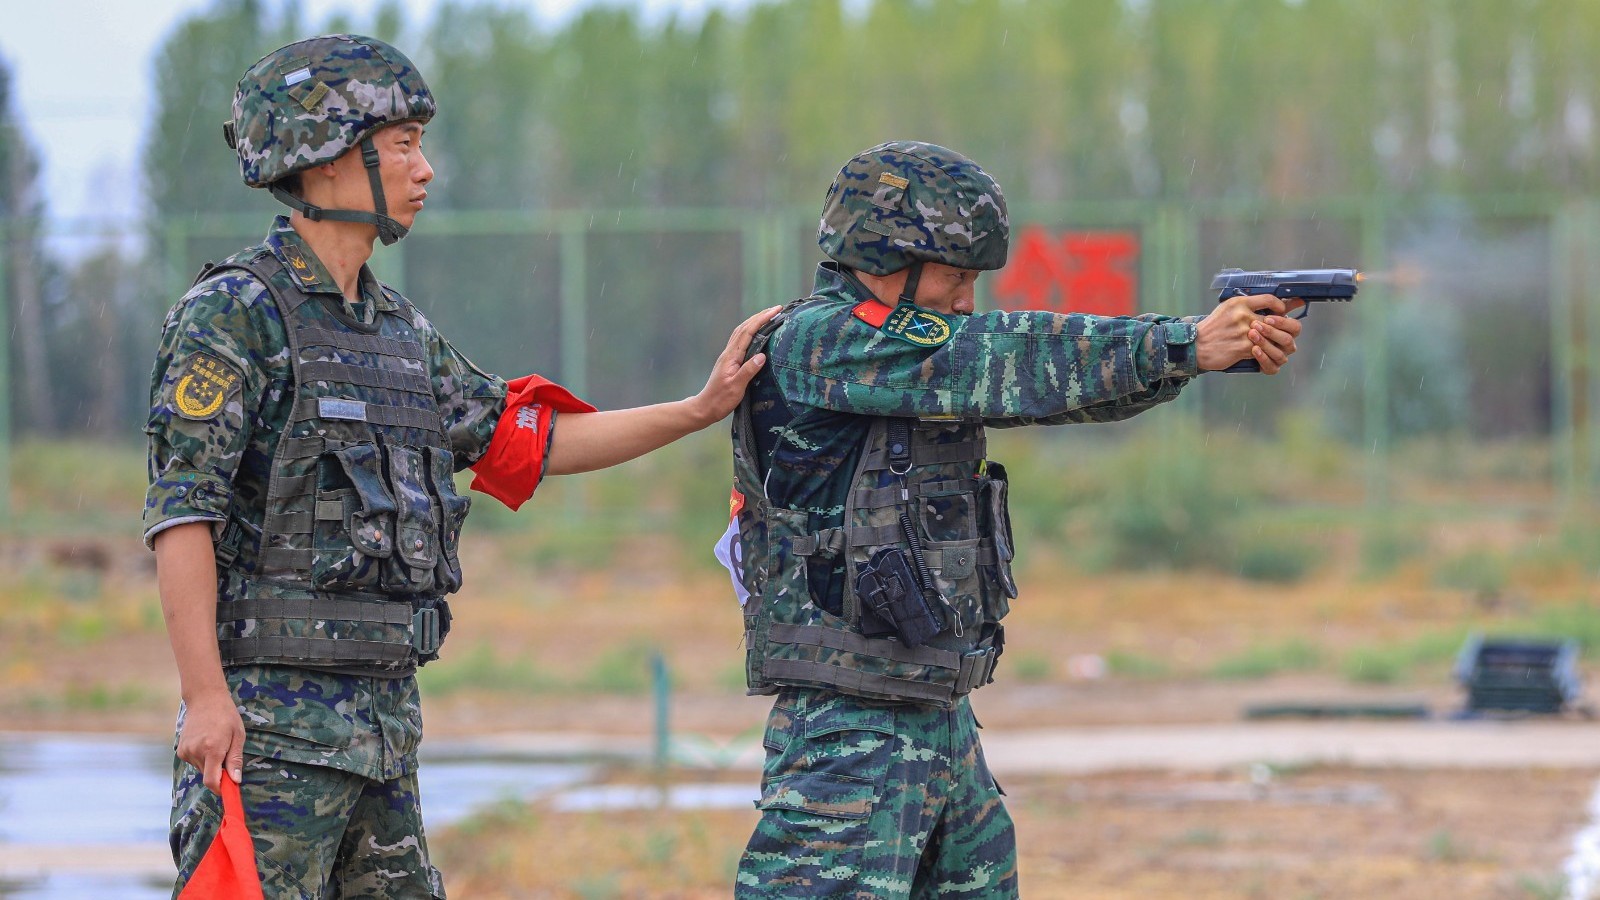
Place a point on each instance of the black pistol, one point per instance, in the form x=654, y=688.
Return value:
x=1309, y=285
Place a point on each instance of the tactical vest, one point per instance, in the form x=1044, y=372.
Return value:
x=934, y=474
x=358, y=545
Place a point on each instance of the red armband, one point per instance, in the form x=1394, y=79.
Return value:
x=514, y=463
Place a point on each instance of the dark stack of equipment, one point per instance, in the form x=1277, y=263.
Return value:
x=1518, y=674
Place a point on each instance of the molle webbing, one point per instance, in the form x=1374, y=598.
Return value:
x=316, y=652
x=952, y=675
x=869, y=498
x=856, y=682
x=850, y=642
x=335, y=371
x=923, y=454
x=306, y=409
x=363, y=404
x=394, y=617
x=359, y=343
x=381, y=612
x=830, y=542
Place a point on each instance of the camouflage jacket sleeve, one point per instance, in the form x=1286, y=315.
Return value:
x=470, y=399
x=217, y=346
x=1005, y=368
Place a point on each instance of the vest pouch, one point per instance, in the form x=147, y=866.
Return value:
x=955, y=575
x=948, y=510
x=416, y=530
x=441, y=466
x=994, y=508
x=354, y=529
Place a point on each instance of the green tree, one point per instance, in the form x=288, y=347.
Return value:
x=22, y=209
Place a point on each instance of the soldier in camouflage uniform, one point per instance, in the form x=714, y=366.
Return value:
x=305, y=424
x=871, y=544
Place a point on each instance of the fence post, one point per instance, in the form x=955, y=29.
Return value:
x=1567, y=436
x=175, y=239
x=1374, y=313
x=1574, y=229
x=5, y=372
x=574, y=314
x=752, y=266
x=661, y=685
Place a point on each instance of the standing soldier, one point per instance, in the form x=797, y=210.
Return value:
x=872, y=544
x=305, y=424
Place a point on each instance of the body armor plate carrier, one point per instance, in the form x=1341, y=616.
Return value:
x=358, y=545
x=921, y=488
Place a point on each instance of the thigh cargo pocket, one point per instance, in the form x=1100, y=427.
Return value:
x=832, y=760
x=355, y=520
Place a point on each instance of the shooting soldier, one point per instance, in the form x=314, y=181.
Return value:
x=306, y=423
x=871, y=543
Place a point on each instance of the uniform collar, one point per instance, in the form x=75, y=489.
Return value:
x=308, y=271
x=834, y=280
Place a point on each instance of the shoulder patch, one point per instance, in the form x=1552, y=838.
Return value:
x=203, y=385
x=909, y=323
x=918, y=326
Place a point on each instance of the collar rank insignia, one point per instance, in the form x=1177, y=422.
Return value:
x=302, y=271
x=203, y=386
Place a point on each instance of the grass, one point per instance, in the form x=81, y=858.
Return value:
x=1445, y=847
x=1031, y=667
x=620, y=669
x=1546, y=886
x=1482, y=572
x=1264, y=660
x=1128, y=664
x=1394, y=662
x=632, y=853
x=480, y=668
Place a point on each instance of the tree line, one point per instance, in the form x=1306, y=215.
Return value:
x=1170, y=101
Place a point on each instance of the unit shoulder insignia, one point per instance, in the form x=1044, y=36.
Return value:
x=909, y=323
x=203, y=386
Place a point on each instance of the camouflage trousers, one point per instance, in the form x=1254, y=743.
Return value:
x=862, y=799
x=320, y=833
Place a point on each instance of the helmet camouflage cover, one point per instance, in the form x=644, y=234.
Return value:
x=308, y=103
x=907, y=201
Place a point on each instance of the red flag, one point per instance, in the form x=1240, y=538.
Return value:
x=228, y=870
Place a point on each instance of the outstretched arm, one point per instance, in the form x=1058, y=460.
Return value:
x=585, y=442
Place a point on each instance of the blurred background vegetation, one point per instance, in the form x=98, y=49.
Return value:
x=1450, y=144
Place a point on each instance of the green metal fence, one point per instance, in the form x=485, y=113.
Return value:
x=774, y=254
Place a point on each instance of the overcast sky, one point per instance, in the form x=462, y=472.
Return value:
x=83, y=86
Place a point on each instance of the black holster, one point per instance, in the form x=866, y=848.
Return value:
x=892, y=603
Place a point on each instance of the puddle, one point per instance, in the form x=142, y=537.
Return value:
x=85, y=816
x=678, y=796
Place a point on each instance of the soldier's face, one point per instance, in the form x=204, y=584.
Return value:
x=947, y=289
x=405, y=170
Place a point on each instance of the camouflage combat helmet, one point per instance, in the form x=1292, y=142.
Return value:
x=311, y=102
x=905, y=203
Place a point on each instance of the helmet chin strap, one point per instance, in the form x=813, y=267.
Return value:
x=908, y=294
x=389, y=230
